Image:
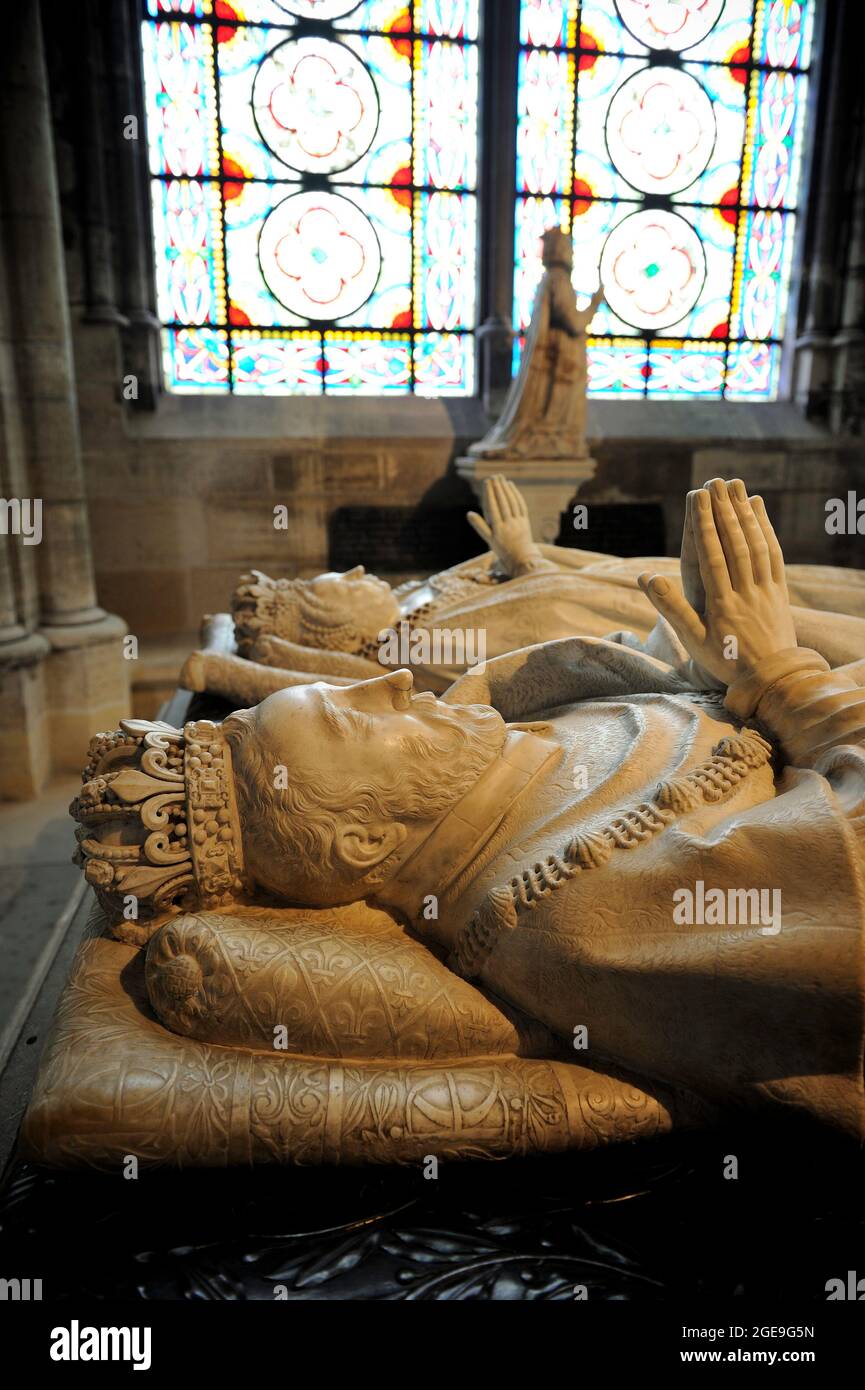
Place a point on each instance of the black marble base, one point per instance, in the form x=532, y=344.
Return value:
x=651, y=1223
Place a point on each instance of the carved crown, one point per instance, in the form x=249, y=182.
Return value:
x=262, y=606
x=289, y=608
x=158, y=819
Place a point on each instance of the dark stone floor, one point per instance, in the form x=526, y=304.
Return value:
x=657, y=1223
x=36, y=878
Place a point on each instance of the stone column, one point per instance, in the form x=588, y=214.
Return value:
x=141, y=333
x=848, y=394
x=497, y=190
x=40, y=313
x=86, y=676
x=828, y=372
x=813, y=365
x=19, y=593
x=90, y=134
x=24, y=741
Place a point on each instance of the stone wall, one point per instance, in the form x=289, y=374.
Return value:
x=182, y=500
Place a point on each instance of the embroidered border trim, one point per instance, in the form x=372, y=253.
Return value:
x=712, y=781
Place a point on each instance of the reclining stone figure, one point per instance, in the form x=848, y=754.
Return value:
x=497, y=962
x=347, y=627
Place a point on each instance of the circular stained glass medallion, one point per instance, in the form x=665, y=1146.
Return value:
x=652, y=268
x=675, y=24
x=318, y=9
x=661, y=130
x=315, y=105
x=319, y=255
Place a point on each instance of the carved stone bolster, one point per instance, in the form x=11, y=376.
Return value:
x=315, y=983
x=746, y=692
x=244, y=682
x=115, y=1082
x=317, y=661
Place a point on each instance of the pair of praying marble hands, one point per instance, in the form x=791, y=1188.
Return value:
x=733, y=610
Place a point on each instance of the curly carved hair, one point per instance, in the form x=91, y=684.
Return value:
x=291, y=609
x=290, y=832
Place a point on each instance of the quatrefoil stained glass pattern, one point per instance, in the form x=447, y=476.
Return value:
x=314, y=175
x=315, y=105
x=666, y=136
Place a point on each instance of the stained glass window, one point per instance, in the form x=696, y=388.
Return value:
x=666, y=136
x=314, y=175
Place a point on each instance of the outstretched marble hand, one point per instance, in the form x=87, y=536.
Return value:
x=505, y=526
x=734, y=610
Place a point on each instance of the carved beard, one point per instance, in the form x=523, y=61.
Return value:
x=443, y=768
x=289, y=835
x=440, y=771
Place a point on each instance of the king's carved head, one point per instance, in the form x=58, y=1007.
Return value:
x=557, y=248
x=337, y=786
x=316, y=795
x=332, y=612
x=159, y=830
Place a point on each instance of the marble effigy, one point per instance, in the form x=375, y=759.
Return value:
x=338, y=627
x=580, y=899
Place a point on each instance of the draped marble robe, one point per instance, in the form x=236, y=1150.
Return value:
x=578, y=592
x=685, y=1024
x=749, y=1020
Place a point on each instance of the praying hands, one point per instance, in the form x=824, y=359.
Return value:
x=733, y=610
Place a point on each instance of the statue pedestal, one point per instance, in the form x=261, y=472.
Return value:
x=548, y=485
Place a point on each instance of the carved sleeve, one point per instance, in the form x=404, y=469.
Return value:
x=563, y=307
x=535, y=563
x=818, y=717
x=807, y=707
x=278, y=652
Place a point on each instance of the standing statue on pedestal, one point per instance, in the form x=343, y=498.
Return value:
x=541, y=434
x=545, y=413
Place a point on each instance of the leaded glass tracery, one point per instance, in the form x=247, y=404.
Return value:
x=314, y=174
x=666, y=135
